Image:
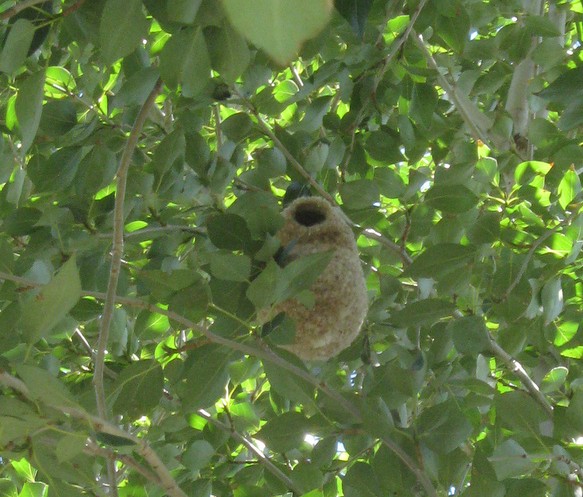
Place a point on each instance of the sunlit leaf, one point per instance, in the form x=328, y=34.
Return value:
x=278, y=26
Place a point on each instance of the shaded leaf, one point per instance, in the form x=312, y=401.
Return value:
x=355, y=12
x=451, y=198
x=15, y=49
x=439, y=259
x=185, y=61
x=137, y=389
x=285, y=432
x=43, y=311
x=123, y=27
x=28, y=107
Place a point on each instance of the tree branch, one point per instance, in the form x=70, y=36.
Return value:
x=519, y=370
x=272, y=468
x=116, y=256
x=19, y=7
x=476, y=121
x=534, y=247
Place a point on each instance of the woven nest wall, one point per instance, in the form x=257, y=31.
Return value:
x=313, y=225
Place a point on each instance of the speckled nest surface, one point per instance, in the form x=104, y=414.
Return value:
x=341, y=303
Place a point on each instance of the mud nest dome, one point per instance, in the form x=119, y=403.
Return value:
x=331, y=325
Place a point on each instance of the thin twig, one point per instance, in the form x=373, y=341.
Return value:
x=92, y=448
x=116, y=257
x=422, y=478
x=272, y=468
x=19, y=7
x=534, y=247
x=466, y=108
x=397, y=45
x=375, y=235
x=519, y=370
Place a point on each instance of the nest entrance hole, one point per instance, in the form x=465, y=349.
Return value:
x=309, y=216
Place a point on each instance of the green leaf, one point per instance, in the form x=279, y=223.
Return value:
x=285, y=432
x=541, y=26
x=96, y=170
x=137, y=87
x=29, y=104
x=21, y=221
x=228, y=51
x=569, y=188
x=440, y=259
x=278, y=27
x=359, y=194
x=137, y=389
x=389, y=182
x=301, y=274
x=453, y=199
x=262, y=291
x=552, y=299
x=361, y=481
x=58, y=117
x=566, y=88
x=56, y=173
x=207, y=373
x=470, y=335
x=231, y=267
x=169, y=152
x=185, y=61
x=229, y=231
x=355, y=12
x=286, y=383
x=509, y=460
x=122, y=29
x=454, y=30
x=443, y=427
x=516, y=410
x=486, y=229
x=554, y=379
x=574, y=412
x=198, y=455
x=422, y=312
x=423, y=103
x=43, y=311
x=45, y=387
x=377, y=418
x=15, y=49
x=183, y=11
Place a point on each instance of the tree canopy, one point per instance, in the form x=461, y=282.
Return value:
x=146, y=148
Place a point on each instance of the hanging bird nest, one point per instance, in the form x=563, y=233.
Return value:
x=312, y=225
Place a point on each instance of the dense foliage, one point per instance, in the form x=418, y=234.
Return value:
x=146, y=147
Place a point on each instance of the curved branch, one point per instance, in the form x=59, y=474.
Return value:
x=272, y=468
x=117, y=252
x=519, y=370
